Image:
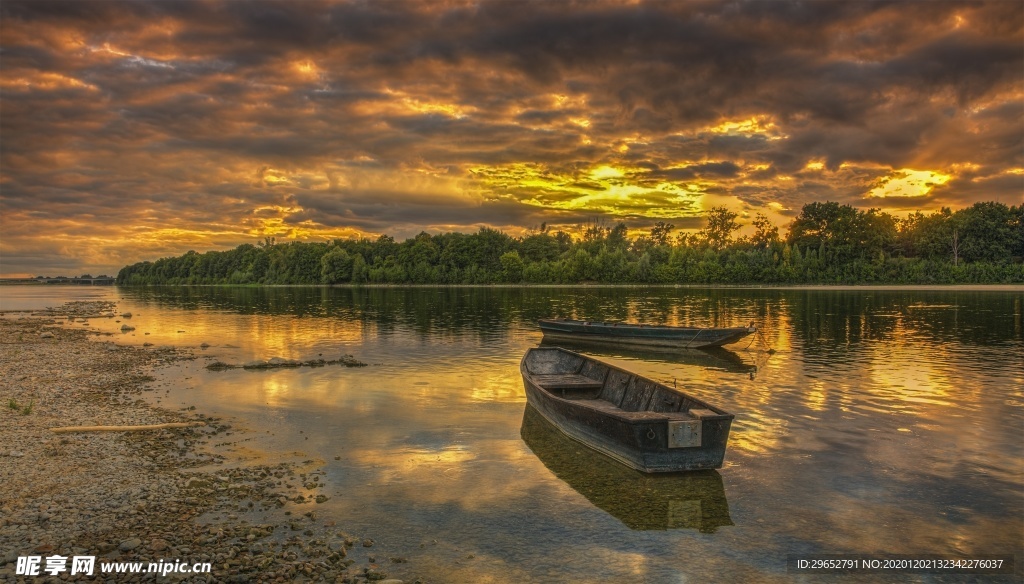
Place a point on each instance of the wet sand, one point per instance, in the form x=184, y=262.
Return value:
x=144, y=496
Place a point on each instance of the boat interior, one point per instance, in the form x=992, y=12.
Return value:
x=574, y=377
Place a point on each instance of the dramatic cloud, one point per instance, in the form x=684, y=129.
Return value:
x=133, y=130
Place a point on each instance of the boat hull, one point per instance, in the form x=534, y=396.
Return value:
x=641, y=501
x=640, y=439
x=715, y=358
x=642, y=335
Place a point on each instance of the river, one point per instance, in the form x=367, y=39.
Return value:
x=884, y=422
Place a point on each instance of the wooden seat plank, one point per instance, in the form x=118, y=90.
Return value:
x=604, y=406
x=566, y=381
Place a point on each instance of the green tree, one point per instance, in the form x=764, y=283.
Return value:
x=618, y=237
x=985, y=232
x=720, y=227
x=821, y=223
x=661, y=233
x=420, y=249
x=541, y=247
x=1017, y=231
x=579, y=266
x=841, y=233
x=512, y=266
x=927, y=236
x=360, y=272
x=594, y=238
x=766, y=233
x=336, y=266
x=827, y=243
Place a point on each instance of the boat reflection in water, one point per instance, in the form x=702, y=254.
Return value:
x=691, y=500
x=715, y=358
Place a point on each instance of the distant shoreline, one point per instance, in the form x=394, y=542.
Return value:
x=835, y=287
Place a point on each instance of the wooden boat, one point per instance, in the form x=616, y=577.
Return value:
x=691, y=500
x=641, y=423
x=642, y=334
x=712, y=358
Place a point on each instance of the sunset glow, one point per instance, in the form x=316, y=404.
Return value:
x=133, y=130
x=909, y=183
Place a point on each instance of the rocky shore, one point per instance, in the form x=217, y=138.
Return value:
x=144, y=496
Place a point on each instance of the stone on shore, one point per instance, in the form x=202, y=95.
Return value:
x=351, y=361
x=129, y=544
x=282, y=362
x=220, y=366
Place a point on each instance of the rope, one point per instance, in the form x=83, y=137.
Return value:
x=760, y=335
x=752, y=339
x=693, y=339
x=770, y=351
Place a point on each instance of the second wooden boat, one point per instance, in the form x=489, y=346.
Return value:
x=642, y=334
x=714, y=358
x=639, y=422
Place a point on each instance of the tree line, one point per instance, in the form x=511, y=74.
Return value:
x=827, y=243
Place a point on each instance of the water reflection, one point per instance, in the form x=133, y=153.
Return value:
x=694, y=500
x=820, y=320
x=825, y=319
x=427, y=310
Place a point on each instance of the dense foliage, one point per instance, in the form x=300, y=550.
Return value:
x=828, y=243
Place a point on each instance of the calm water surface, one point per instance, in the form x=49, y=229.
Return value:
x=886, y=422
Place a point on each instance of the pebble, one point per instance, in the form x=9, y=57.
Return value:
x=143, y=496
x=159, y=545
x=129, y=544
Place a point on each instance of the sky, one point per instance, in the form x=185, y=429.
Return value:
x=131, y=131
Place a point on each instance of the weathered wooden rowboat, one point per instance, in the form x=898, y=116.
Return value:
x=641, y=423
x=641, y=501
x=642, y=334
x=715, y=358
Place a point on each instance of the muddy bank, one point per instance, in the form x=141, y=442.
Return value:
x=146, y=496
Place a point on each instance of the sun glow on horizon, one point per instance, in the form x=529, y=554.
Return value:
x=907, y=182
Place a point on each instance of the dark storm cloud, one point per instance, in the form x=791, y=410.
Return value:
x=194, y=119
x=707, y=169
x=394, y=213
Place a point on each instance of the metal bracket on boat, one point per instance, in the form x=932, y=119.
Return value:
x=684, y=433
